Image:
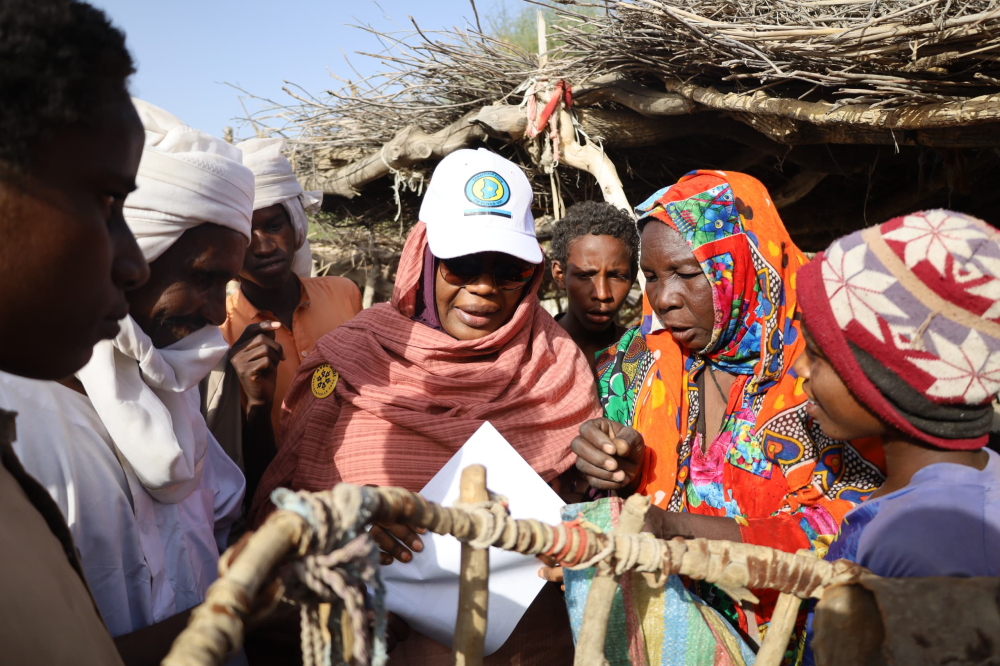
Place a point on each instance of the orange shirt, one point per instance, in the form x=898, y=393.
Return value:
x=326, y=303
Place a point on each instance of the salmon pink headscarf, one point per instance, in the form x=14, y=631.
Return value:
x=409, y=396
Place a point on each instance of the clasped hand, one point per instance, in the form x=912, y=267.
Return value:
x=609, y=454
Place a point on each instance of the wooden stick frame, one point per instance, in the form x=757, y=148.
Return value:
x=215, y=629
x=474, y=580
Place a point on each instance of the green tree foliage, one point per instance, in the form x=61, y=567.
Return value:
x=515, y=22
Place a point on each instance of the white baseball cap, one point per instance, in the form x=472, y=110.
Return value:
x=476, y=202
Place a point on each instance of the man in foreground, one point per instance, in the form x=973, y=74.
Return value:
x=123, y=448
x=70, y=143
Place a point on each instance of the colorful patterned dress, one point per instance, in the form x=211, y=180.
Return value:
x=770, y=468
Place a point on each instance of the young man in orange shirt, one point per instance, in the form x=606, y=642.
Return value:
x=276, y=316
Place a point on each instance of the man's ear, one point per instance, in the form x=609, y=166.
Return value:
x=559, y=275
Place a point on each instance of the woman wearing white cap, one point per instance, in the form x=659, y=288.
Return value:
x=391, y=395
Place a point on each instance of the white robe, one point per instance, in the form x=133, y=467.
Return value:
x=141, y=567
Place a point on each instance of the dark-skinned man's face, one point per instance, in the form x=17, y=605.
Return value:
x=676, y=286
x=187, y=284
x=268, y=260
x=67, y=256
x=597, y=278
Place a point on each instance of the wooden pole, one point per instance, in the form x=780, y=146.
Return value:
x=216, y=626
x=596, y=162
x=543, y=43
x=474, y=580
x=594, y=628
x=772, y=651
x=215, y=629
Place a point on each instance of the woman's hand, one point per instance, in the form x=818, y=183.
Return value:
x=396, y=541
x=609, y=454
x=552, y=571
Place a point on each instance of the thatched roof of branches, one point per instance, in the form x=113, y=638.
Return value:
x=850, y=111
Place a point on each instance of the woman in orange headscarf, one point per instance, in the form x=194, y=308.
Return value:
x=708, y=415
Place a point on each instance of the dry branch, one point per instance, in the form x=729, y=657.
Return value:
x=895, y=52
x=768, y=75
x=982, y=109
x=772, y=650
x=594, y=161
x=797, y=188
x=630, y=94
x=215, y=629
x=597, y=612
x=411, y=146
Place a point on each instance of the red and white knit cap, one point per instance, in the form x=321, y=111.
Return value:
x=908, y=313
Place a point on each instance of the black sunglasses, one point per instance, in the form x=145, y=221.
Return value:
x=508, y=274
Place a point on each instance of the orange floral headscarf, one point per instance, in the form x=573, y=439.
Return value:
x=768, y=456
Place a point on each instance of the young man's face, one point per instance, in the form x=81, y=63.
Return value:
x=67, y=256
x=268, y=260
x=597, y=278
x=187, y=284
x=838, y=413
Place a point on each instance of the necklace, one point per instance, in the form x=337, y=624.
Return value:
x=715, y=381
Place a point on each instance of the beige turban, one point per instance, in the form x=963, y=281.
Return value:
x=186, y=178
x=275, y=183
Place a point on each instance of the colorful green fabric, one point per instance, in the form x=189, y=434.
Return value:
x=666, y=626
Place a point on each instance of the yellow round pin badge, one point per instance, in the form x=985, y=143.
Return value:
x=324, y=380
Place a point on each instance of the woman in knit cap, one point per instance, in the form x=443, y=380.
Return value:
x=902, y=328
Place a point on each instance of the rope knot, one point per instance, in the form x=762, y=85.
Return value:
x=491, y=520
x=339, y=564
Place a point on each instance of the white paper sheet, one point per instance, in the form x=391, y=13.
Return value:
x=424, y=591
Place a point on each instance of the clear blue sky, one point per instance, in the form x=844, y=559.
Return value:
x=186, y=50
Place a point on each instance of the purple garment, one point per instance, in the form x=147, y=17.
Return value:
x=946, y=522
x=426, y=312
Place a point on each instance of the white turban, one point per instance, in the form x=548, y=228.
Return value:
x=186, y=178
x=275, y=183
x=146, y=397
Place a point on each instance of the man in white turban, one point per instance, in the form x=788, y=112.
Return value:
x=147, y=491
x=279, y=313
x=275, y=183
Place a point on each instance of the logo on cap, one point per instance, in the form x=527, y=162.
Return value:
x=488, y=189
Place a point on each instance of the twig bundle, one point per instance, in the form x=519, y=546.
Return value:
x=879, y=52
x=736, y=83
x=429, y=80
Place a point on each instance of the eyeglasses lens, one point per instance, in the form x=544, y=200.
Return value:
x=507, y=275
